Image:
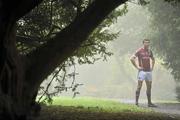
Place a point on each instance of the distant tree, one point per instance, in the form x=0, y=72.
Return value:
x=165, y=33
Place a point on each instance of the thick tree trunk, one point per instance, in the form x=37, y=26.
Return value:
x=14, y=97
x=11, y=75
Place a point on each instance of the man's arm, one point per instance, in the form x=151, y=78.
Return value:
x=133, y=61
x=153, y=62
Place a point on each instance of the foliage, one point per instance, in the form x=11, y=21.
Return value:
x=51, y=17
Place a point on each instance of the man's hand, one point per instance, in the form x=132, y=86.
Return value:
x=139, y=68
x=133, y=57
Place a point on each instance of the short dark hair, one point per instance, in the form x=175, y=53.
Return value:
x=146, y=40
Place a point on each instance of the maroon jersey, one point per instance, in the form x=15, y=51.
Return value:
x=144, y=56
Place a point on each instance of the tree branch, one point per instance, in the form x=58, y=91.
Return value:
x=45, y=59
x=24, y=7
x=32, y=42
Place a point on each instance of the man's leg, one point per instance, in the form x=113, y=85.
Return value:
x=138, y=90
x=148, y=92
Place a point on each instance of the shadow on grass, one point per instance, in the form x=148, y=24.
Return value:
x=95, y=113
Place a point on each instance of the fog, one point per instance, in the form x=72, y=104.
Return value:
x=117, y=78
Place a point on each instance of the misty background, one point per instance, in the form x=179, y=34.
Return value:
x=116, y=78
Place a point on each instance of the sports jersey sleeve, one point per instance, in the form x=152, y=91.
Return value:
x=136, y=54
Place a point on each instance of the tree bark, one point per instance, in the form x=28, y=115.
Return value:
x=11, y=74
x=14, y=102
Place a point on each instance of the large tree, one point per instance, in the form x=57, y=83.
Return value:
x=21, y=75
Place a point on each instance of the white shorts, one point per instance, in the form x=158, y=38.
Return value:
x=144, y=75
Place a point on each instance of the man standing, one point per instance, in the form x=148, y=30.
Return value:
x=145, y=66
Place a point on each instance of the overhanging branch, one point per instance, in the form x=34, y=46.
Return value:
x=46, y=58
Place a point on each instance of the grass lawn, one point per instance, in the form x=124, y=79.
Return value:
x=97, y=104
x=86, y=108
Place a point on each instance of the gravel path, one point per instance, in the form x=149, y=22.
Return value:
x=171, y=109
